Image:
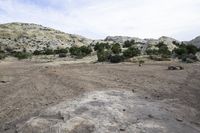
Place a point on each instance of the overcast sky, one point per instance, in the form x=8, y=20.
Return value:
x=99, y=18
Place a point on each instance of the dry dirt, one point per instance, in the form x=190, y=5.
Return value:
x=27, y=88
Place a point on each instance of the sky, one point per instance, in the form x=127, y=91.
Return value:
x=97, y=19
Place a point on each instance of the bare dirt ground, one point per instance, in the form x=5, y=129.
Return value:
x=26, y=87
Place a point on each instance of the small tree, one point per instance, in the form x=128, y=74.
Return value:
x=116, y=48
x=128, y=43
x=103, y=55
x=116, y=58
x=191, y=49
x=163, y=49
x=101, y=46
x=131, y=52
x=86, y=50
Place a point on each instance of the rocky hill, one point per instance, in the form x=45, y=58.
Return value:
x=195, y=41
x=19, y=36
x=144, y=43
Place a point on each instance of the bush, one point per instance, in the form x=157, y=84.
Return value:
x=101, y=46
x=85, y=50
x=186, y=52
x=22, y=55
x=116, y=58
x=191, y=49
x=80, y=52
x=163, y=49
x=131, y=52
x=128, y=43
x=62, y=50
x=180, y=51
x=116, y=48
x=38, y=52
x=62, y=55
x=103, y=55
x=48, y=51
x=189, y=58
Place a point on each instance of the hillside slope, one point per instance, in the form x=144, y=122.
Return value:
x=19, y=36
x=196, y=41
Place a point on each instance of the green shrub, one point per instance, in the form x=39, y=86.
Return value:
x=61, y=50
x=163, y=49
x=131, y=52
x=191, y=49
x=186, y=52
x=101, y=46
x=48, y=51
x=38, y=52
x=80, y=52
x=86, y=50
x=180, y=51
x=103, y=55
x=116, y=58
x=128, y=43
x=22, y=55
x=75, y=51
x=116, y=48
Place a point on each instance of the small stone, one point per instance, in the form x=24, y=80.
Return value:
x=122, y=130
x=179, y=120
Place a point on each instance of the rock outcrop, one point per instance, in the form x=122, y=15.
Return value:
x=143, y=44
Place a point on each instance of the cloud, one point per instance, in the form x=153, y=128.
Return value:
x=97, y=19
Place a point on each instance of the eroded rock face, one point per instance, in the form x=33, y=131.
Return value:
x=112, y=112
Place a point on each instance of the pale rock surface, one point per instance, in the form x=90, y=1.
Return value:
x=112, y=112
